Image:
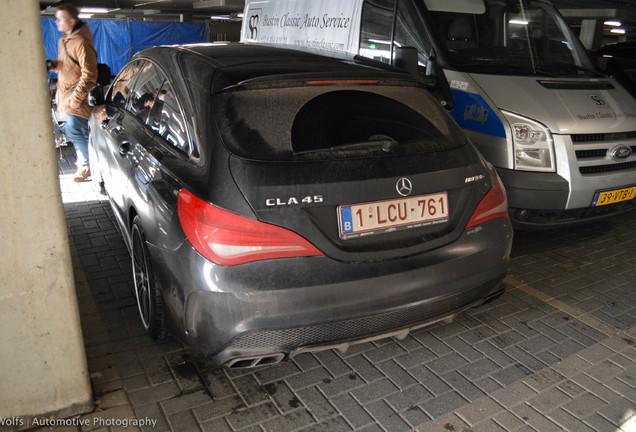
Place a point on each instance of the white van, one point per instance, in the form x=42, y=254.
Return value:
x=561, y=135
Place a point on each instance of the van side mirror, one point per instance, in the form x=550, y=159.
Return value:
x=406, y=59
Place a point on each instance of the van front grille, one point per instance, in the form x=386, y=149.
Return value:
x=594, y=152
x=589, y=154
x=600, y=137
x=607, y=168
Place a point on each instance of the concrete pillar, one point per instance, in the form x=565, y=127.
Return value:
x=43, y=365
x=591, y=33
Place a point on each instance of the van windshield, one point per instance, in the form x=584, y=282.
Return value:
x=511, y=37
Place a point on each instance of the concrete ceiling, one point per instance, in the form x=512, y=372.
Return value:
x=623, y=11
x=200, y=10
x=151, y=10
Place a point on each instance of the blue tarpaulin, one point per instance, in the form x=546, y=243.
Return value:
x=147, y=34
x=117, y=41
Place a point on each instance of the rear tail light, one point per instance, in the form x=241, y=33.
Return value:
x=227, y=238
x=493, y=205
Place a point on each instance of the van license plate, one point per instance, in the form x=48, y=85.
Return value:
x=613, y=196
x=383, y=216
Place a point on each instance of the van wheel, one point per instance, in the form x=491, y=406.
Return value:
x=149, y=298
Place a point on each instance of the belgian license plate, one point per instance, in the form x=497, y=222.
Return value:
x=613, y=196
x=383, y=216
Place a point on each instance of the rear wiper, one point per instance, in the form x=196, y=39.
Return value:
x=386, y=143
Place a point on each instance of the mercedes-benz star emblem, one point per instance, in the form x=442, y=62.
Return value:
x=404, y=186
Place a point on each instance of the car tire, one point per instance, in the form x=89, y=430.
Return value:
x=96, y=174
x=149, y=299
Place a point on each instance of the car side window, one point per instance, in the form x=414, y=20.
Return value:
x=145, y=90
x=166, y=118
x=122, y=86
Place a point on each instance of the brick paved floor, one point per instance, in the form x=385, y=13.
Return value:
x=556, y=352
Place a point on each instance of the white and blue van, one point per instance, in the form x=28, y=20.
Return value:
x=561, y=135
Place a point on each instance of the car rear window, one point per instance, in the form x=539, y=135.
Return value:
x=332, y=121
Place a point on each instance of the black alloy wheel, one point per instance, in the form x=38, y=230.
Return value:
x=149, y=298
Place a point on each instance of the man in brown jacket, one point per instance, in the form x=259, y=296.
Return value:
x=77, y=75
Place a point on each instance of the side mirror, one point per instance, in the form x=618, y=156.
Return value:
x=105, y=113
x=96, y=96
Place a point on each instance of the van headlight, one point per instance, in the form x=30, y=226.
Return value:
x=532, y=143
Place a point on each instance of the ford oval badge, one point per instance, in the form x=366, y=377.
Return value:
x=621, y=152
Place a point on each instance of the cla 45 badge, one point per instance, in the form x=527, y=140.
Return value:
x=310, y=199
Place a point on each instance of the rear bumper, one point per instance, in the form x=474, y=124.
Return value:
x=266, y=346
x=267, y=311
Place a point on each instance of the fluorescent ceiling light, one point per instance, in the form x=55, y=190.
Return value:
x=618, y=31
x=380, y=41
x=84, y=16
x=612, y=23
x=94, y=10
x=522, y=22
x=219, y=17
x=149, y=3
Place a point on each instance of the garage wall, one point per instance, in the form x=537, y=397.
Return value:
x=42, y=356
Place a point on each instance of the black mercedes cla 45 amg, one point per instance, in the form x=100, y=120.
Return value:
x=276, y=202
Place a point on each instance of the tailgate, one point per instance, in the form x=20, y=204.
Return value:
x=364, y=170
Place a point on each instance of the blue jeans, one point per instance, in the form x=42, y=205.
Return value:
x=77, y=133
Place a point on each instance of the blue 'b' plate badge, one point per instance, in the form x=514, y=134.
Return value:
x=347, y=222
